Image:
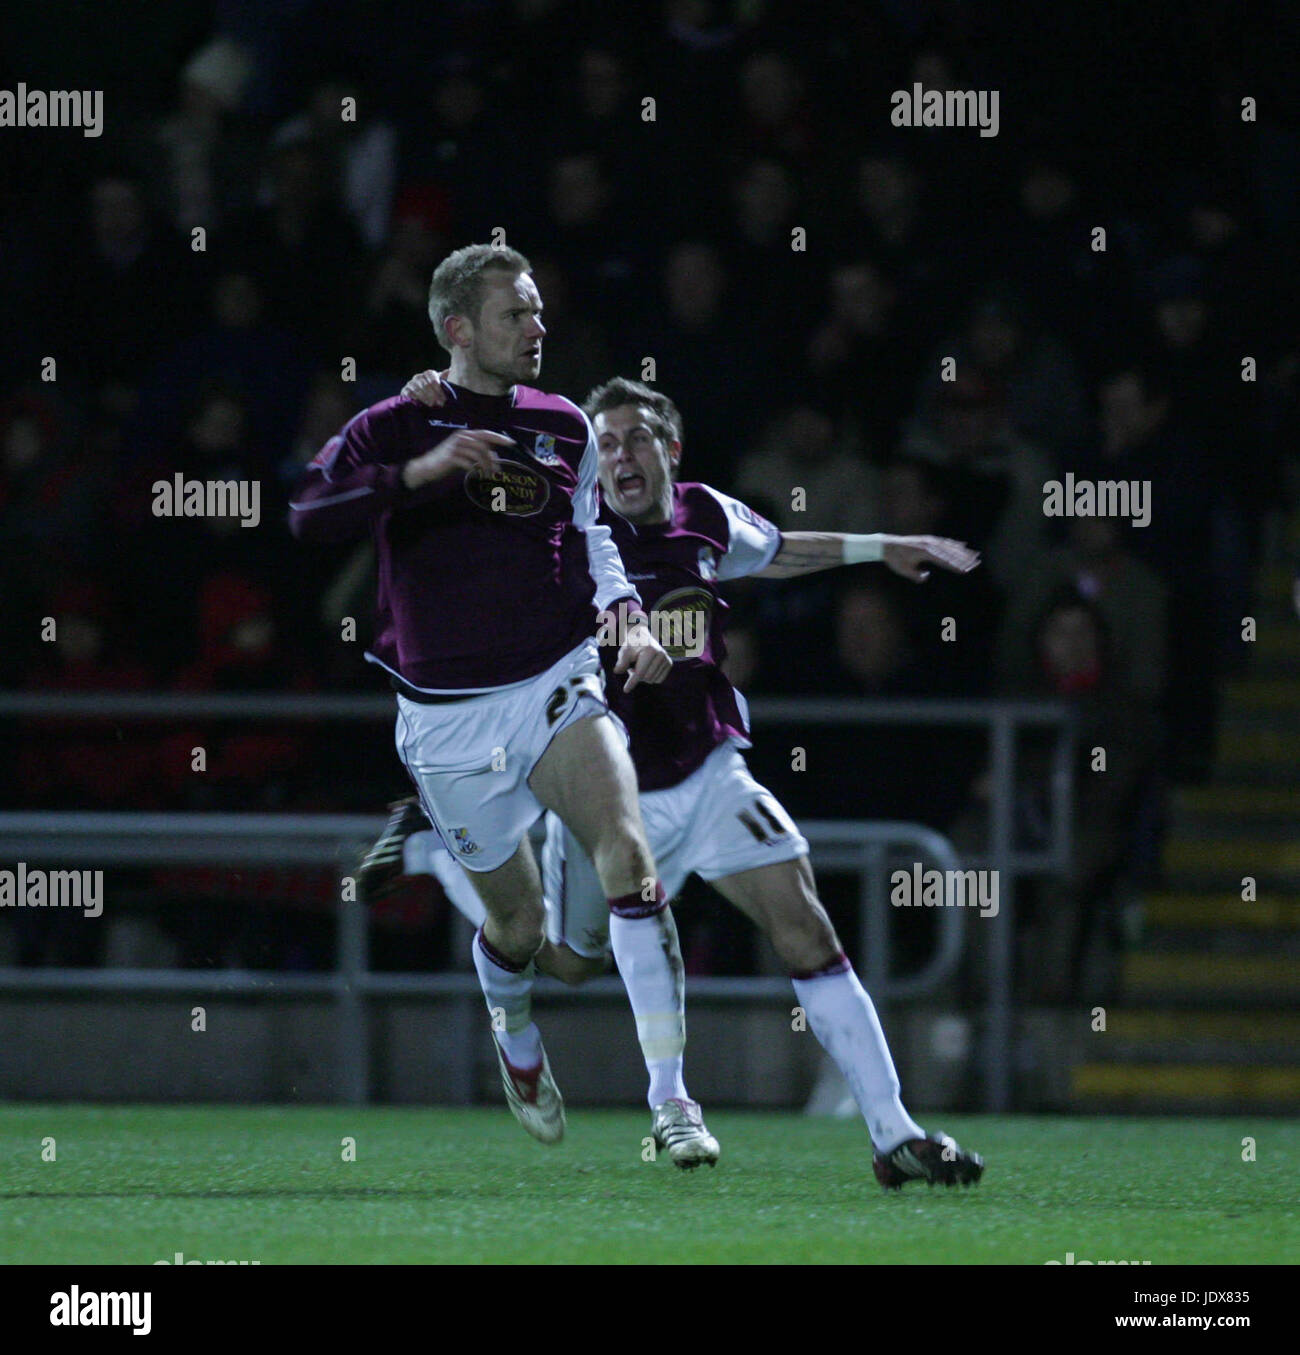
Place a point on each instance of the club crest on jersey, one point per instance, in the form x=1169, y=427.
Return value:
x=680, y=622
x=512, y=488
x=708, y=565
x=754, y=519
x=462, y=842
x=544, y=450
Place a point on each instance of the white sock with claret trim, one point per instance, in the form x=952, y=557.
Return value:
x=508, y=989
x=650, y=964
x=843, y=1017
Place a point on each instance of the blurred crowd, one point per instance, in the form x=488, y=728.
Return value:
x=716, y=188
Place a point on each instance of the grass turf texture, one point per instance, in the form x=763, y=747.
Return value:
x=136, y=1184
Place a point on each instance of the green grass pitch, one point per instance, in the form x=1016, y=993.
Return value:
x=136, y=1184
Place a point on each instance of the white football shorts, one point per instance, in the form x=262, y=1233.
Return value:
x=471, y=759
x=717, y=822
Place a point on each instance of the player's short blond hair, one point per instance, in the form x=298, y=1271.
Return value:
x=458, y=283
x=665, y=417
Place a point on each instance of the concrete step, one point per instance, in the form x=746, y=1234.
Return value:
x=1241, y=749
x=1280, y=695
x=1273, y=584
x=1271, y=616
x=1278, y=666
x=1221, y=827
x=1155, y=1024
x=1199, y=864
x=1185, y=1087
x=1192, y=976
x=1268, y=775
x=1248, y=720
x=1221, y=943
x=1234, y=803
x=1277, y=640
x=1220, y=911
x=1269, y=1038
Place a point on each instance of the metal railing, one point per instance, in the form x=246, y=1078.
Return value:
x=1003, y=719
x=320, y=839
x=120, y=839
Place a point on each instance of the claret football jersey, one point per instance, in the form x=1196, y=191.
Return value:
x=484, y=580
x=676, y=567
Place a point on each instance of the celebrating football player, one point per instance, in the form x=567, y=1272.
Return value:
x=490, y=561
x=704, y=813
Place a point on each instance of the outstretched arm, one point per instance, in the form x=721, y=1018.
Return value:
x=910, y=556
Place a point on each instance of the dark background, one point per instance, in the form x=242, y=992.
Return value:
x=667, y=239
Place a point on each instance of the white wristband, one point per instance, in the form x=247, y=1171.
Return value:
x=860, y=550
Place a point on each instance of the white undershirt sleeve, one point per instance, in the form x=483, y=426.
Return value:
x=603, y=559
x=753, y=541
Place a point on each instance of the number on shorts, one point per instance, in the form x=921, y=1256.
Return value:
x=555, y=706
x=558, y=699
x=757, y=828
